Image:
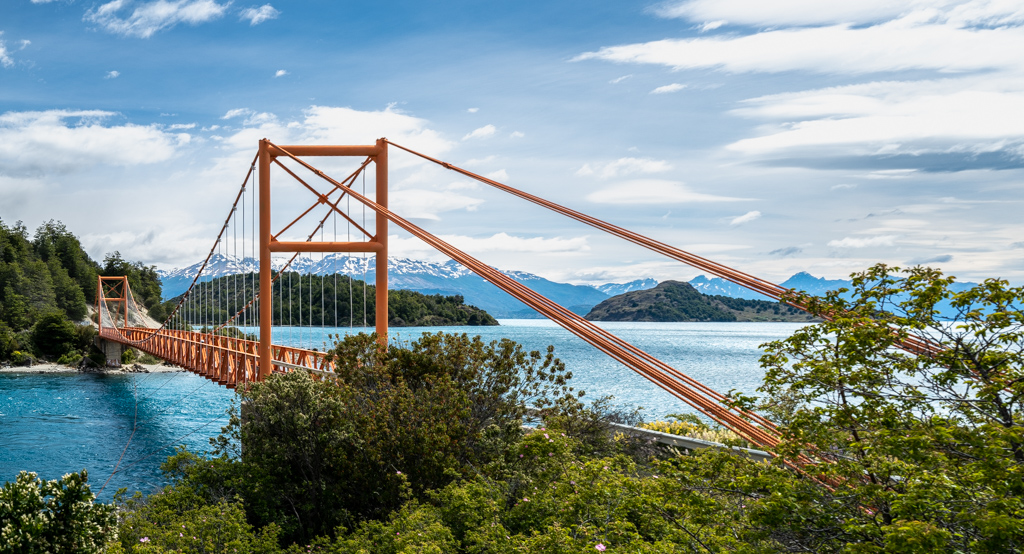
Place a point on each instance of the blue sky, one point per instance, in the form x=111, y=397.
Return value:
x=775, y=137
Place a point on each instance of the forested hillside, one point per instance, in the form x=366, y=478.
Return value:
x=677, y=301
x=47, y=282
x=327, y=300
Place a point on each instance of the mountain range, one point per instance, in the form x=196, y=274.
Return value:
x=450, y=278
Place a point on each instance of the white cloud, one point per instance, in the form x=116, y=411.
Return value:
x=895, y=45
x=674, y=87
x=427, y=204
x=23, y=44
x=503, y=242
x=813, y=12
x=65, y=140
x=517, y=134
x=260, y=14
x=500, y=175
x=473, y=110
x=237, y=112
x=618, y=80
x=746, y=218
x=150, y=17
x=177, y=126
x=5, y=55
x=112, y=75
x=851, y=242
x=891, y=118
x=280, y=73
x=624, y=166
x=482, y=132
x=966, y=98
x=712, y=25
x=653, y=191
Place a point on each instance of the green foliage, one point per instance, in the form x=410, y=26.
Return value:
x=928, y=449
x=176, y=520
x=20, y=358
x=57, y=517
x=53, y=335
x=128, y=356
x=52, y=274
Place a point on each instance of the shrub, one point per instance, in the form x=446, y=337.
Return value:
x=53, y=335
x=21, y=358
x=71, y=358
x=128, y=356
x=56, y=516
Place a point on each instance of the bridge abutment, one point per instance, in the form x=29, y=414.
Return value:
x=112, y=351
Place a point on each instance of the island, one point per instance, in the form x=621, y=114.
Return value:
x=679, y=301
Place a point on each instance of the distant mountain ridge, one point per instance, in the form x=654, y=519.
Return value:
x=448, y=278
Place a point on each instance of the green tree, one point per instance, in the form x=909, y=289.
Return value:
x=53, y=517
x=919, y=451
x=53, y=335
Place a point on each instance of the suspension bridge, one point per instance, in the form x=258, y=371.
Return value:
x=222, y=329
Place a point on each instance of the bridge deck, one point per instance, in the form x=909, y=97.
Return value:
x=227, y=360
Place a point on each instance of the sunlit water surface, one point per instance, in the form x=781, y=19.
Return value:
x=57, y=423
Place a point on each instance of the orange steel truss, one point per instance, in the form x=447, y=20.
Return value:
x=112, y=289
x=377, y=244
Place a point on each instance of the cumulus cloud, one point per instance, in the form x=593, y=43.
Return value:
x=338, y=125
x=147, y=18
x=482, y=132
x=674, y=87
x=280, y=73
x=472, y=110
x=746, y=218
x=653, y=191
x=64, y=140
x=260, y=14
x=517, y=134
x=865, y=242
x=112, y=75
x=624, y=166
x=428, y=204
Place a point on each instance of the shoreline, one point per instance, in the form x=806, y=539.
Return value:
x=48, y=368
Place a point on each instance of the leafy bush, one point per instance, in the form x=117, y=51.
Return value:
x=174, y=520
x=71, y=358
x=56, y=516
x=53, y=335
x=128, y=356
x=20, y=358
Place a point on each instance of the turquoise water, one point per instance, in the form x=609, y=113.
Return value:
x=57, y=423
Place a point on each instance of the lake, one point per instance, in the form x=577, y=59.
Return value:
x=57, y=423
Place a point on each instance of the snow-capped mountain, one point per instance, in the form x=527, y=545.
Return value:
x=448, y=278
x=615, y=289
